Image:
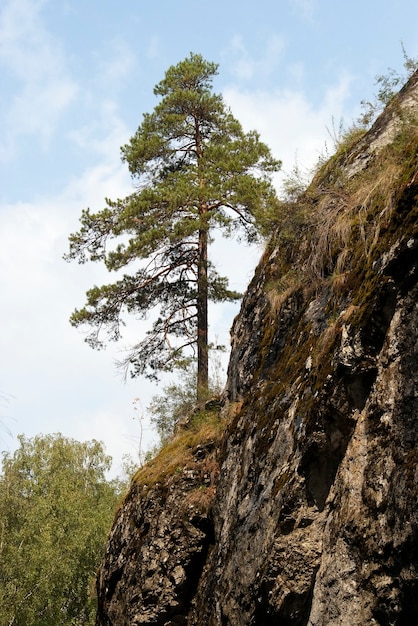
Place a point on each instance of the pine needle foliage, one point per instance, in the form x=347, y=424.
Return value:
x=195, y=170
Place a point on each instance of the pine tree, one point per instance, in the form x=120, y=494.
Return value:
x=194, y=170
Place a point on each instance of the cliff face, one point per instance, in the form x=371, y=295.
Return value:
x=304, y=512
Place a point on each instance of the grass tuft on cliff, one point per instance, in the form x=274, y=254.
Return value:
x=177, y=455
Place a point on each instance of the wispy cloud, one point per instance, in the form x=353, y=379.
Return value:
x=304, y=8
x=104, y=135
x=246, y=66
x=288, y=121
x=41, y=351
x=118, y=65
x=32, y=59
x=154, y=47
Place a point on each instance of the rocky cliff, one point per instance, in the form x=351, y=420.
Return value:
x=295, y=502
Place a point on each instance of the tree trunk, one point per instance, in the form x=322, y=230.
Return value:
x=202, y=283
x=202, y=318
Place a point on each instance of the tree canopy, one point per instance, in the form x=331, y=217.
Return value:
x=195, y=170
x=56, y=509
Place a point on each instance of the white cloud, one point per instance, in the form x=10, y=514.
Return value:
x=118, y=65
x=103, y=134
x=288, y=121
x=246, y=66
x=22, y=38
x=304, y=8
x=31, y=57
x=154, y=47
x=58, y=383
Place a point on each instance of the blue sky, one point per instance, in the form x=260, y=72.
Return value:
x=76, y=77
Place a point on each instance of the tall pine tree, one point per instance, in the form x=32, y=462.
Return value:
x=194, y=170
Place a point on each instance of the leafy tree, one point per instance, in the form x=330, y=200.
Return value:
x=56, y=508
x=195, y=170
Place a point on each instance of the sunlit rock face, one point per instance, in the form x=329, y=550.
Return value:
x=305, y=511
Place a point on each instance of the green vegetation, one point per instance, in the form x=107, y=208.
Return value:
x=389, y=84
x=176, y=454
x=352, y=219
x=195, y=170
x=182, y=425
x=56, y=509
x=177, y=403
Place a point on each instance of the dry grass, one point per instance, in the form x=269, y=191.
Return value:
x=178, y=453
x=199, y=500
x=279, y=294
x=325, y=343
x=351, y=216
x=348, y=313
x=332, y=230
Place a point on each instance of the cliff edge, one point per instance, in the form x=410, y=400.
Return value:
x=295, y=502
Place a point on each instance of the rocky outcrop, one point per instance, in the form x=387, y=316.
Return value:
x=305, y=511
x=159, y=543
